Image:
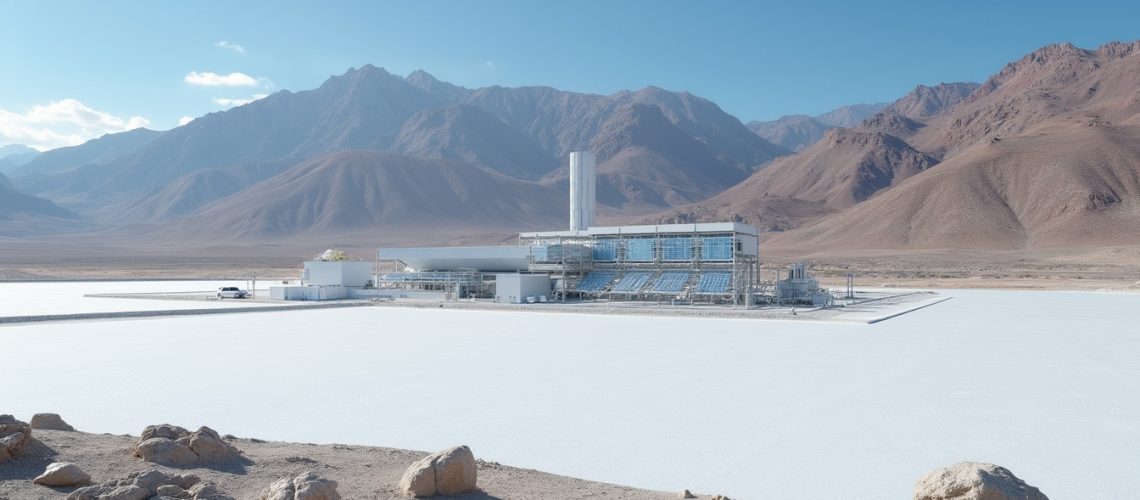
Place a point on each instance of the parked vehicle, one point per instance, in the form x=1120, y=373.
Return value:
x=232, y=292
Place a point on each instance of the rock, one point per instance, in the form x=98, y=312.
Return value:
x=448, y=472
x=166, y=452
x=14, y=436
x=62, y=474
x=171, y=491
x=974, y=481
x=307, y=486
x=208, y=491
x=720, y=497
x=147, y=484
x=50, y=422
x=174, y=446
x=687, y=494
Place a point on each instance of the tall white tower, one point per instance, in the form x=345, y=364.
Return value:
x=582, y=183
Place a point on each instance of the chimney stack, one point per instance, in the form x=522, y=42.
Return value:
x=582, y=183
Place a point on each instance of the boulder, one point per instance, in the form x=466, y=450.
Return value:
x=974, y=481
x=177, y=447
x=307, y=486
x=150, y=483
x=448, y=472
x=50, y=422
x=687, y=494
x=62, y=474
x=14, y=436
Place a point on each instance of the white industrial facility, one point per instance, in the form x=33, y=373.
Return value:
x=695, y=263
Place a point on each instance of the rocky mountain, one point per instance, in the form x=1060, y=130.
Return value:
x=22, y=210
x=14, y=155
x=849, y=116
x=845, y=168
x=1045, y=153
x=1061, y=185
x=468, y=134
x=101, y=151
x=644, y=159
x=796, y=132
x=365, y=190
x=523, y=133
x=925, y=102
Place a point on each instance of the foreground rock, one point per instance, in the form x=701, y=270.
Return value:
x=174, y=446
x=308, y=486
x=448, y=472
x=50, y=422
x=14, y=436
x=62, y=474
x=974, y=481
x=151, y=483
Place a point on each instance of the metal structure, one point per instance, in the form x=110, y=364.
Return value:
x=801, y=288
x=696, y=262
x=714, y=263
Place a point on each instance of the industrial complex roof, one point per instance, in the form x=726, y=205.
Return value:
x=712, y=227
x=485, y=258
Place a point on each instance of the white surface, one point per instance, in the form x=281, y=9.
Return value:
x=1043, y=383
x=40, y=298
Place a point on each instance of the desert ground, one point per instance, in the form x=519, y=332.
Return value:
x=363, y=472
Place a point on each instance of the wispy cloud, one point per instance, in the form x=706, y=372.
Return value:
x=184, y=120
x=488, y=64
x=222, y=44
x=231, y=101
x=67, y=122
x=210, y=79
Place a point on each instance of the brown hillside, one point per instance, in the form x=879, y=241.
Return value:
x=846, y=167
x=368, y=190
x=1061, y=184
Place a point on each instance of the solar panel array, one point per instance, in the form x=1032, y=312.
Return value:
x=714, y=283
x=632, y=281
x=596, y=281
x=709, y=282
x=671, y=281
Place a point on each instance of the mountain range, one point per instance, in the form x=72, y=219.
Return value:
x=796, y=132
x=1042, y=154
x=15, y=155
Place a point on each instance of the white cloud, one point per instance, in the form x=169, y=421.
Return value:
x=232, y=101
x=184, y=120
x=230, y=46
x=62, y=123
x=210, y=79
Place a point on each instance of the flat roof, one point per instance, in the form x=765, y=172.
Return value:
x=704, y=227
x=485, y=258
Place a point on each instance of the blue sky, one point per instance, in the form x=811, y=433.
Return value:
x=75, y=69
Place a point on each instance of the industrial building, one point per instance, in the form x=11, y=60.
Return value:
x=708, y=262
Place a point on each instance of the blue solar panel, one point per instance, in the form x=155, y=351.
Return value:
x=716, y=282
x=671, y=281
x=676, y=249
x=716, y=248
x=632, y=281
x=605, y=250
x=596, y=281
x=639, y=250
